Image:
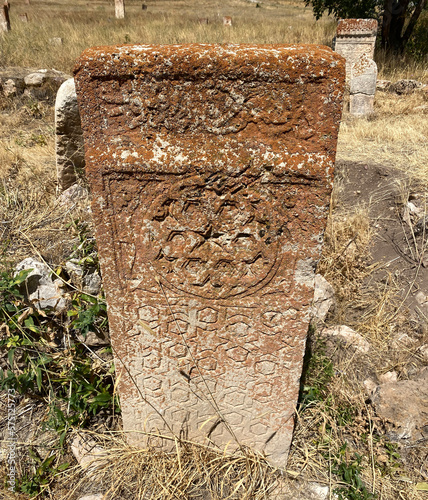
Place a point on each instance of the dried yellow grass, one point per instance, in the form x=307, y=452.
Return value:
x=188, y=470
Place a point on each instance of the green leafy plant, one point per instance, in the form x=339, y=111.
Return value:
x=88, y=314
x=76, y=387
x=349, y=471
x=44, y=473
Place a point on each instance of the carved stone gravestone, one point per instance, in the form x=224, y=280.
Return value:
x=354, y=38
x=362, y=86
x=211, y=170
x=4, y=17
x=119, y=9
x=70, y=160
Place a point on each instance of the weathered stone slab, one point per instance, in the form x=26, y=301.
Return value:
x=70, y=157
x=354, y=38
x=362, y=86
x=4, y=17
x=119, y=9
x=211, y=170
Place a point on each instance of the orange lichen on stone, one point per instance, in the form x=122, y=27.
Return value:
x=211, y=169
x=355, y=27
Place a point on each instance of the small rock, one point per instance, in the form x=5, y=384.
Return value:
x=388, y=377
x=40, y=288
x=9, y=88
x=75, y=271
x=405, y=86
x=404, y=404
x=323, y=298
x=92, y=283
x=88, y=454
x=303, y=490
x=93, y=339
x=34, y=79
x=73, y=195
x=423, y=351
x=383, y=84
x=97, y=496
x=349, y=337
x=369, y=385
x=56, y=40
x=402, y=341
x=421, y=298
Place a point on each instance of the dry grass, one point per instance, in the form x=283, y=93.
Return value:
x=396, y=135
x=163, y=22
x=189, y=471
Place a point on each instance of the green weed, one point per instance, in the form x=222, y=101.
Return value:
x=349, y=471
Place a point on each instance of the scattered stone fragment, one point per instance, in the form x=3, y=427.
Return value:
x=423, y=352
x=97, y=496
x=405, y=86
x=70, y=160
x=56, y=40
x=383, y=85
x=404, y=405
x=75, y=271
x=40, y=288
x=402, y=340
x=88, y=454
x=9, y=88
x=369, y=385
x=35, y=79
x=323, y=298
x=92, y=283
x=349, y=336
x=388, y=377
x=303, y=490
x=73, y=195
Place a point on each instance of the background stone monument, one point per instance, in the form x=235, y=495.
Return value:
x=354, y=38
x=4, y=17
x=211, y=169
x=70, y=158
x=362, y=86
x=119, y=9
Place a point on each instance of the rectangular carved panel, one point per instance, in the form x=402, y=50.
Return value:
x=355, y=38
x=211, y=170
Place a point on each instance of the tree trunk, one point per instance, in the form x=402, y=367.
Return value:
x=413, y=20
x=394, y=18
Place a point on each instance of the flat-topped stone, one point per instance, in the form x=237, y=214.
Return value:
x=357, y=27
x=211, y=168
x=355, y=38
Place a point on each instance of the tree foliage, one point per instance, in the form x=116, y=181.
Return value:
x=398, y=17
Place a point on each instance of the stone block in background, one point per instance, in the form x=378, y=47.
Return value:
x=354, y=38
x=362, y=86
x=70, y=157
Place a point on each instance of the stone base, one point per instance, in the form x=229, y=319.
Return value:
x=361, y=104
